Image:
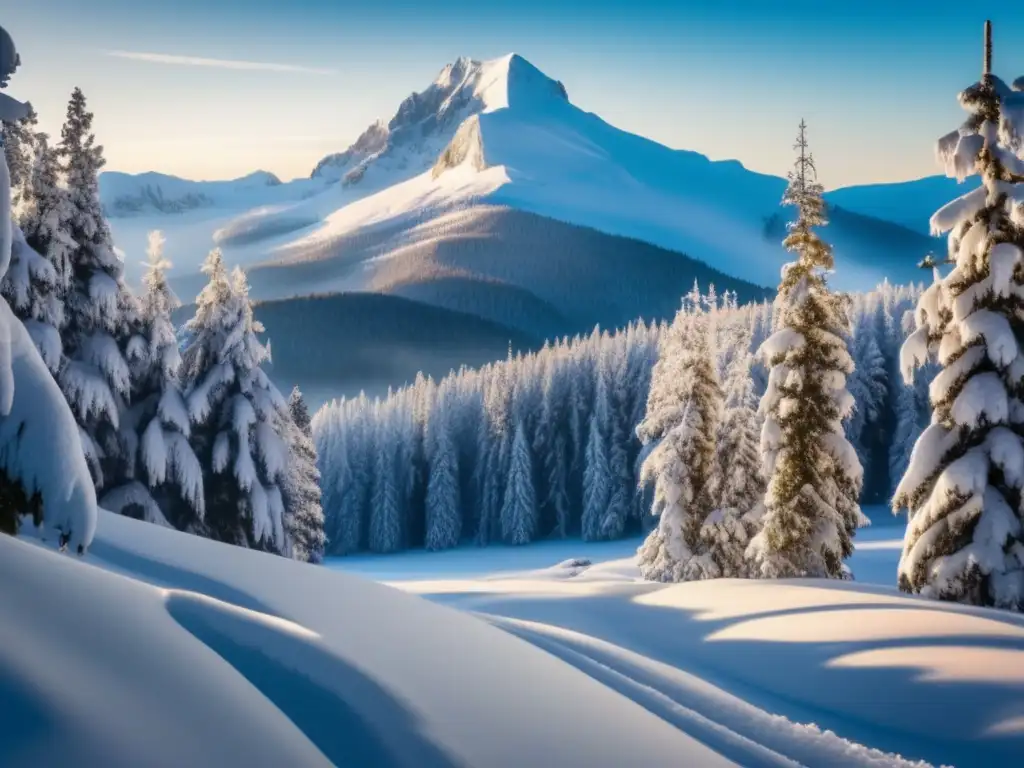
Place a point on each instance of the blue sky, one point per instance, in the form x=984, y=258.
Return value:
x=876, y=81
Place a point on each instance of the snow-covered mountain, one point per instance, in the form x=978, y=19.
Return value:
x=503, y=134
x=427, y=121
x=126, y=194
x=909, y=203
x=490, y=193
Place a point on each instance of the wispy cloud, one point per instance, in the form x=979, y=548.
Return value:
x=197, y=61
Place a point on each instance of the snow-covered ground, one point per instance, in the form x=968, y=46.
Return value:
x=766, y=673
x=163, y=649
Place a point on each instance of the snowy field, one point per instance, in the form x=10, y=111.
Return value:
x=764, y=673
x=260, y=660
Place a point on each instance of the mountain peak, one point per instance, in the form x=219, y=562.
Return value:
x=426, y=121
x=512, y=81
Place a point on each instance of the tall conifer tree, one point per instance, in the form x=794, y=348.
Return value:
x=300, y=485
x=965, y=485
x=814, y=475
x=100, y=312
x=683, y=412
x=237, y=415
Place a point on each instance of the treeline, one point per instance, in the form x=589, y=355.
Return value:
x=544, y=445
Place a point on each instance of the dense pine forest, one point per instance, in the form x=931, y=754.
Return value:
x=545, y=444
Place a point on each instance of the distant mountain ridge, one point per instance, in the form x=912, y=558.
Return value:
x=490, y=193
x=502, y=133
x=125, y=194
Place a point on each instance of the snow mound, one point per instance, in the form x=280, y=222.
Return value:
x=800, y=672
x=163, y=649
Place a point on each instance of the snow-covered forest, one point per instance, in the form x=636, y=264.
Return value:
x=186, y=433
x=545, y=444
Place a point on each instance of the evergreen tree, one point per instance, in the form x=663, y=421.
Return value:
x=604, y=505
x=868, y=387
x=385, y=529
x=553, y=447
x=300, y=485
x=727, y=532
x=495, y=445
x=30, y=288
x=620, y=431
x=519, y=507
x=912, y=414
x=963, y=487
x=596, y=482
x=46, y=221
x=237, y=415
x=95, y=375
x=42, y=470
x=683, y=413
x=444, y=515
x=814, y=476
x=346, y=475
x=18, y=139
x=158, y=411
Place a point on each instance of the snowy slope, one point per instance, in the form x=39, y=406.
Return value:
x=501, y=133
x=910, y=203
x=162, y=649
x=748, y=666
x=126, y=194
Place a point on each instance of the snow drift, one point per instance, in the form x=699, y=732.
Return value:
x=164, y=649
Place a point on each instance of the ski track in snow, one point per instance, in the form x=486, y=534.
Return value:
x=765, y=674
x=729, y=725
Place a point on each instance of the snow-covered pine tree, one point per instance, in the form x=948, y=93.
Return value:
x=867, y=385
x=95, y=375
x=18, y=139
x=158, y=413
x=30, y=288
x=42, y=469
x=963, y=487
x=912, y=413
x=728, y=530
x=683, y=413
x=444, y=505
x=643, y=353
x=344, y=451
x=553, y=445
x=495, y=440
x=236, y=414
x=386, y=531
x=300, y=485
x=47, y=211
x=519, y=506
x=40, y=273
x=599, y=520
x=620, y=431
x=813, y=473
